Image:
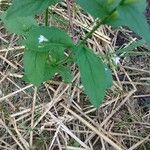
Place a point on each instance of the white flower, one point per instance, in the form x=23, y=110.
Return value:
x=106, y=69
x=116, y=60
x=42, y=39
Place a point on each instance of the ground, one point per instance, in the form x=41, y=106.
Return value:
x=58, y=115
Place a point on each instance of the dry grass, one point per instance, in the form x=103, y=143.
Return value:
x=58, y=116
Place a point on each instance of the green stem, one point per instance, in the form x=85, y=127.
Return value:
x=91, y=32
x=97, y=26
x=46, y=17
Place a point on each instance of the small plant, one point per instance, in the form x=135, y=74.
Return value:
x=45, y=46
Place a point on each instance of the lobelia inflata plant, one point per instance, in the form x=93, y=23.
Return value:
x=45, y=45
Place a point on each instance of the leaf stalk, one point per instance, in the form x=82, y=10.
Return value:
x=46, y=17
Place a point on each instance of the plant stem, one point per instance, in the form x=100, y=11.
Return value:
x=46, y=17
x=91, y=32
x=99, y=23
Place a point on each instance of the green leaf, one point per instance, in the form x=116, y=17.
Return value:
x=131, y=13
x=25, y=8
x=98, y=8
x=57, y=54
x=94, y=7
x=93, y=74
x=38, y=69
x=112, y=4
x=19, y=17
x=18, y=25
x=50, y=71
x=66, y=73
x=45, y=39
x=140, y=4
x=35, y=65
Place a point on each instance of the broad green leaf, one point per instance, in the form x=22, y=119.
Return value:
x=23, y=8
x=94, y=7
x=50, y=71
x=131, y=13
x=57, y=54
x=45, y=39
x=112, y=4
x=66, y=73
x=38, y=69
x=93, y=74
x=98, y=8
x=140, y=4
x=18, y=25
x=34, y=65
